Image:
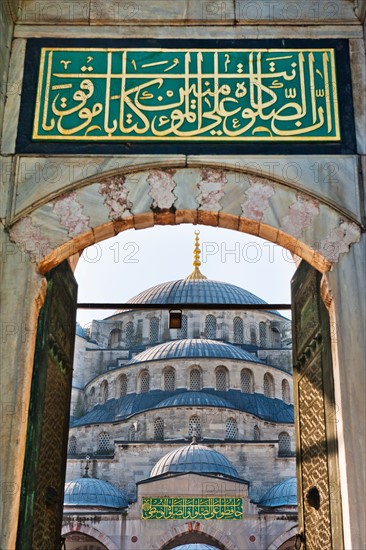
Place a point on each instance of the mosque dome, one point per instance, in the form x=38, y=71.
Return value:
x=195, y=399
x=193, y=348
x=195, y=546
x=89, y=491
x=281, y=494
x=194, y=458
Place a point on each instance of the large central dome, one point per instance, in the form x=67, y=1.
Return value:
x=196, y=291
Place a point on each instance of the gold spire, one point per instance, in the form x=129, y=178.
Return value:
x=196, y=273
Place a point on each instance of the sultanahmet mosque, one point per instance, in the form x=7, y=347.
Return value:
x=183, y=438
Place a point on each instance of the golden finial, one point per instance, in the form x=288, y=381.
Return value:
x=196, y=273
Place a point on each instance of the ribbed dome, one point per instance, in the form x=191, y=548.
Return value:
x=194, y=348
x=194, y=399
x=282, y=494
x=194, y=458
x=185, y=291
x=88, y=491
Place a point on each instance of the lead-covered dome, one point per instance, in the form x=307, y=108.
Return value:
x=89, y=491
x=194, y=458
x=193, y=348
x=195, y=291
x=194, y=399
x=281, y=494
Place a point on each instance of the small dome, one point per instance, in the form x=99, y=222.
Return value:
x=88, y=491
x=194, y=458
x=282, y=494
x=194, y=399
x=195, y=291
x=194, y=348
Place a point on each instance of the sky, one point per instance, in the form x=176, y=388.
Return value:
x=117, y=269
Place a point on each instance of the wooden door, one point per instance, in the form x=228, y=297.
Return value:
x=42, y=489
x=319, y=496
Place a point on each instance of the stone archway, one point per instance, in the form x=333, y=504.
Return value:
x=193, y=532
x=76, y=527
x=93, y=211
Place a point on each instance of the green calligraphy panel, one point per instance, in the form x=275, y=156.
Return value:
x=192, y=508
x=128, y=94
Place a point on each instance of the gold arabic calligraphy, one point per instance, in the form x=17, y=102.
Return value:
x=192, y=508
x=130, y=94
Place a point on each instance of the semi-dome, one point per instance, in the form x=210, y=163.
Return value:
x=195, y=291
x=194, y=458
x=281, y=494
x=194, y=399
x=193, y=348
x=89, y=491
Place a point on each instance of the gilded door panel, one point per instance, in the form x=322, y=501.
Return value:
x=315, y=416
x=48, y=420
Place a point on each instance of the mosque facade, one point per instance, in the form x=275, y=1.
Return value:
x=174, y=426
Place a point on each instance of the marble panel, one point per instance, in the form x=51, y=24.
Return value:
x=13, y=94
x=333, y=180
x=43, y=178
x=6, y=167
x=49, y=12
x=358, y=68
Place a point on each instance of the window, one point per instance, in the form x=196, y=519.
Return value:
x=132, y=433
x=183, y=331
x=144, y=382
x=285, y=391
x=103, y=442
x=154, y=330
x=115, y=338
x=276, y=337
x=72, y=445
x=129, y=334
x=284, y=444
x=194, y=427
x=104, y=391
x=210, y=327
x=169, y=379
x=123, y=386
x=91, y=400
x=268, y=385
x=256, y=433
x=253, y=336
x=262, y=334
x=231, y=429
x=238, y=330
x=221, y=379
x=246, y=379
x=159, y=429
x=195, y=380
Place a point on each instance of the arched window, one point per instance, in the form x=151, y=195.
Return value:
x=144, y=382
x=183, y=331
x=72, y=446
x=122, y=386
x=132, y=433
x=129, y=334
x=284, y=444
x=159, y=429
x=275, y=336
x=262, y=334
x=246, y=379
x=169, y=379
x=195, y=382
x=210, y=327
x=268, y=385
x=103, y=442
x=115, y=338
x=238, y=330
x=194, y=427
x=154, y=330
x=253, y=336
x=285, y=391
x=221, y=379
x=91, y=400
x=104, y=391
x=256, y=433
x=231, y=429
